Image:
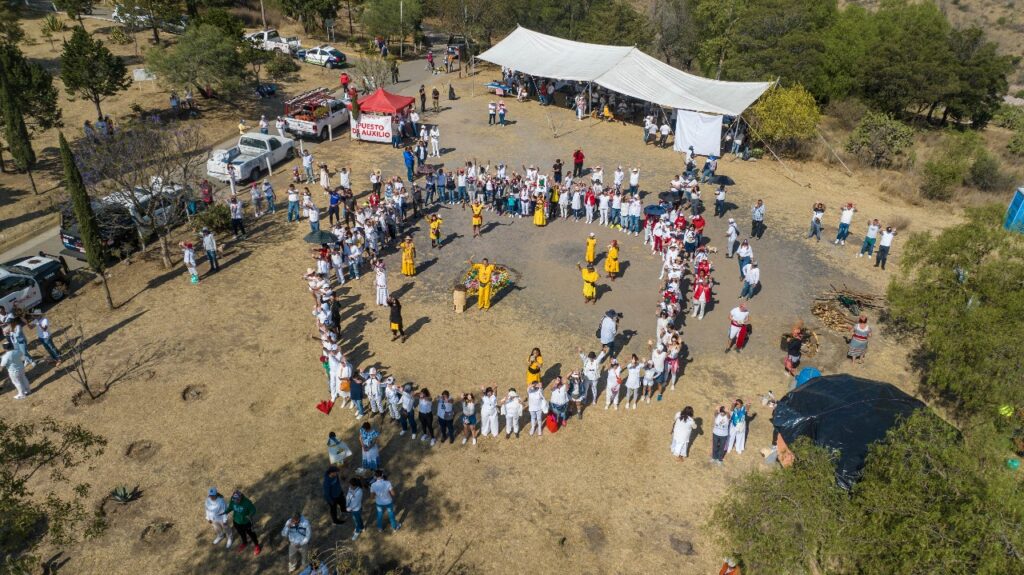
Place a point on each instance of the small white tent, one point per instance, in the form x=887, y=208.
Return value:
x=622, y=69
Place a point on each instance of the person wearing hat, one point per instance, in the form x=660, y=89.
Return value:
x=408, y=257
x=435, y=231
x=188, y=257
x=298, y=532
x=739, y=324
x=731, y=235
x=591, y=248
x=217, y=515
x=612, y=385
x=242, y=511
x=590, y=277
x=634, y=181
x=512, y=408
x=611, y=260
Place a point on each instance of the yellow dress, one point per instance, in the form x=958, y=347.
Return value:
x=533, y=371
x=408, y=258
x=611, y=263
x=539, y=218
x=555, y=192
x=589, y=283
x=483, y=296
x=591, y=246
x=478, y=214
x=435, y=229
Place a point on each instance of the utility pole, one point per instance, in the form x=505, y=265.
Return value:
x=263, y=15
x=401, y=28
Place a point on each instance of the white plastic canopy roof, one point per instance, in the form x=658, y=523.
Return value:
x=622, y=69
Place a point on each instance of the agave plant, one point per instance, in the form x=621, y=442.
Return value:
x=123, y=495
x=53, y=24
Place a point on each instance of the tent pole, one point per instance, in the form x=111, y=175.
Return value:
x=590, y=96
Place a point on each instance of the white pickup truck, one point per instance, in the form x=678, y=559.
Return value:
x=315, y=114
x=254, y=156
x=272, y=41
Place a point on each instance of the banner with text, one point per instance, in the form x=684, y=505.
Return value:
x=372, y=128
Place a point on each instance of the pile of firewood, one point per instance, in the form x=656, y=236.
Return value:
x=838, y=308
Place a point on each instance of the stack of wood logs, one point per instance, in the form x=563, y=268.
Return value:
x=838, y=308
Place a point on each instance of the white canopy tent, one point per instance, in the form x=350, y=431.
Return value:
x=622, y=69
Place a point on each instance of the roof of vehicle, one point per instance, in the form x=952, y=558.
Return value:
x=31, y=262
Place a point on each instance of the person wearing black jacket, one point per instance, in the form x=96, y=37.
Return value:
x=397, y=328
x=334, y=493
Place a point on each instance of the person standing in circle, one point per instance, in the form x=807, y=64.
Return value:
x=469, y=418
x=478, y=216
x=408, y=257
x=395, y=319
x=533, y=365
x=589, y=276
x=484, y=270
x=682, y=431
x=591, y=248
x=611, y=262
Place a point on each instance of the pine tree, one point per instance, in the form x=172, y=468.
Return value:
x=88, y=228
x=15, y=131
x=89, y=71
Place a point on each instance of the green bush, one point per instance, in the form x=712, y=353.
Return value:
x=879, y=139
x=1016, y=145
x=940, y=177
x=281, y=67
x=986, y=174
x=1008, y=116
x=786, y=118
x=120, y=35
x=216, y=217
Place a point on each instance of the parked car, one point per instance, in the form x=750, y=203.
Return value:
x=324, y=55
x=27, y=282
x=131, y=16
x=250, y=158
x=310, y=114
x=273, y=41
x=457, y=46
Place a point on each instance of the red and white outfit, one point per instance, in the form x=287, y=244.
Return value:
x=738, y=325
x=701, y=295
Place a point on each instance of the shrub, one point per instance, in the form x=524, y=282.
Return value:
x=848, y=111
x=120, y=35
x=940, y=176
x=281, y=67
x=123, y=495
x=53, y=24
x=786, y=118
x=1016, y=145
x=986, y=174
x=879, y=138
x=216, y=217
x=1008, y=116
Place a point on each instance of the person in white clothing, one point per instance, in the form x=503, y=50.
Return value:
x=845, y=219
x=380, y=282
x=279, y=125
x=739, y=319
x=592, y=370
x=298, y=532
x=682, y=432
x=335, y=363
x=435, y=141
x=373, y=387
x=731, y=235
x=14, y=361
x=535, y=404
x=602, y=209
x=489, y=413
x=512, y=407
x=216, y=515
x=188, y=257
x=633, y=369
x=337, y=450
x=751, y=279
x=613, y=383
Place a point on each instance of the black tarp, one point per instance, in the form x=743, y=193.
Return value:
x=843, y=413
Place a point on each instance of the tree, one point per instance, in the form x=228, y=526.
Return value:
x=310, y=13
x=88, y=229
x=10, y=28
x=675, y=32
x=787, y=521
x=34, y=85
x=90, y=71
x=880, y=138
x=981, y=78
x=716, y=19
x=785, y=117
x=143, y=165
x=386, y=18
x=229, y=24
x=133, y=364
x=931, y=501
x=281, y=67
x=204, y=57
x=28, y=451
x=156, y=12
x=613, y=22
x=848, y=44
x=15, y=132
x=960, y=292
x=75, y=8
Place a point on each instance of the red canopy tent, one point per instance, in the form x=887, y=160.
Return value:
x=383, y=102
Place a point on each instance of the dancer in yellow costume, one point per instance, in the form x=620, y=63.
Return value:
x=611, y=262
x=591, y=247
x=478, y=217
x=408, y=257
x=540, y=218
x=589, y=283
x=533, y=365
x=484, y=271
x=435, y=231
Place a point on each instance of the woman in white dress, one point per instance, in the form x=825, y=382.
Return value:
x=380, y=282
x=489, y=413
x=682, y=431
x=535, y=403
x=633, y=369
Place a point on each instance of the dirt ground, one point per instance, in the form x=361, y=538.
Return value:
x=229, y=399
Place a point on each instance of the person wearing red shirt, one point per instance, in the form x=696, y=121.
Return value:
x=344, y=79
x=698, y=223
x=589, y=201
x=577, y=163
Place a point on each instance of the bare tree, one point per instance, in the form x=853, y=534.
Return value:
x=373, y=72
x=133, y=364
x=675, y=33
x=146, y=166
